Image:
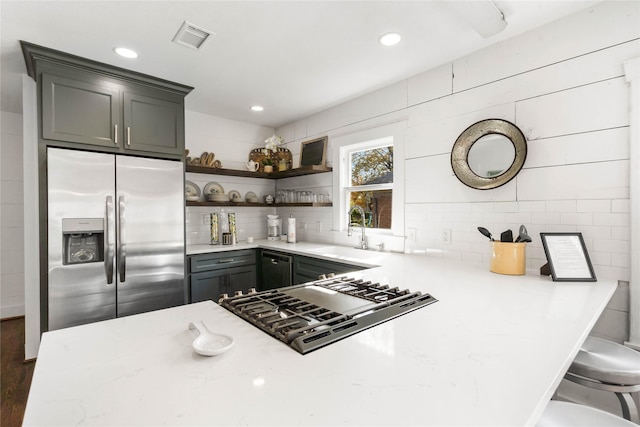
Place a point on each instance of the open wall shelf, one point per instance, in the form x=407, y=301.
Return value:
x=260, y=205
x=304, y=170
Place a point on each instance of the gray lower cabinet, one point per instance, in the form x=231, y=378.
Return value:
x=306, y=269
x=214, y=274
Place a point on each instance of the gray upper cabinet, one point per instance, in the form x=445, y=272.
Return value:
x=153, y=123
x=98, y=105
x=79, y=111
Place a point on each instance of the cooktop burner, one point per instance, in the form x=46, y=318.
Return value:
x=315, y=314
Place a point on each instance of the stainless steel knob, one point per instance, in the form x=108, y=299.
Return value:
x=251, y=291
x=238, y=294
x=331, y=275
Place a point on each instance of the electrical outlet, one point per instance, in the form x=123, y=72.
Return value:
x=206, y=218
x=412, y=235
x=318, y=226
x=446, y=236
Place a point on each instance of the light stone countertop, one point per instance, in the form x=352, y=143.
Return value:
x=490, y=352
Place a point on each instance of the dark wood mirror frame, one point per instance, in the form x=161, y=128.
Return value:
x=462, y=146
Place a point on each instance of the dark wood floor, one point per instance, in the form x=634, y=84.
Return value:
x=15, y=373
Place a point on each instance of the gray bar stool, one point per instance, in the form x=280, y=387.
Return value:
x=567, y=414
x=608, y=366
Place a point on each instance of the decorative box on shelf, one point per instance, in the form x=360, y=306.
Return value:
x=281, y=159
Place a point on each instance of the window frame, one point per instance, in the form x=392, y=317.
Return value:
x=357, y=148
x=392, y=134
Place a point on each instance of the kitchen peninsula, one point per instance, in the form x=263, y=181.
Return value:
x=490, y=351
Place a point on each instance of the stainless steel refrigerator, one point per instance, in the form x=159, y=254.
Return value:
x=115, y=236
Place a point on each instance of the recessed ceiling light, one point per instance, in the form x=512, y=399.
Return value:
x=390, y=39
x=257, y=108
x=127, y=53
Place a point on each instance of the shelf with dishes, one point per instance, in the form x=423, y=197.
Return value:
x=301, y=171
x=258, y=205
x=213, y=194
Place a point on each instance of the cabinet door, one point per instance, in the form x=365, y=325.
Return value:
x=213, y=261
x=307, y=269
x=208, y=285
x=80, y=111
x=154, y=124
x=241, y=279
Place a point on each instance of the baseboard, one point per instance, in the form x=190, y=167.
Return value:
x=11, y=312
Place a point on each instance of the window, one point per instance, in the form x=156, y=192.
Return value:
x=371, y=186
x=370, y=174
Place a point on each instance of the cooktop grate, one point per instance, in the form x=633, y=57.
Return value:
x=304, y=317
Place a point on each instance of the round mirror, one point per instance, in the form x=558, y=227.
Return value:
x=488, y=154
x=491, y=155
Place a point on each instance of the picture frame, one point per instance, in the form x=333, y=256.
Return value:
x=313, y=152
x=567, y=257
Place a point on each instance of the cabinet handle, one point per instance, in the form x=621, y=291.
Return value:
x=128, y=135
x=225, y=261
x=115, y=133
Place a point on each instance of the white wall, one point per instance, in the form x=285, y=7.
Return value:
x=11, y=219
x=230, y=141
x=564, y=86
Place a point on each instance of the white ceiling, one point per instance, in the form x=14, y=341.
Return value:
x=293, y=57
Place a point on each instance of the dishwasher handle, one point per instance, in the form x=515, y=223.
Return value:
x=276, y=258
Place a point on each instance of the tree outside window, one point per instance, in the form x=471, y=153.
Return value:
x=371, y=176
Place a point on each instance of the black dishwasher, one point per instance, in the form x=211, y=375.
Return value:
x=276, y=270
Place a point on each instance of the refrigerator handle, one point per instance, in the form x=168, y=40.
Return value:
x=109, y=240
x=122, y=247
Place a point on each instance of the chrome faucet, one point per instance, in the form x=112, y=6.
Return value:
x=363, y=238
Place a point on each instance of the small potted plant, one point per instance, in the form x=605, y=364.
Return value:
x=268, y=164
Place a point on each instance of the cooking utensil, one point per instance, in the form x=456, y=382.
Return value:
x=485, y=232
x=208, y=343
x=506, y=236
x=523, y=235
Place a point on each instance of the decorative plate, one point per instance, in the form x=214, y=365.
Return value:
x=191, y=190
x=217, y=197
x=213, y=188
x=235, y=196
x=251, y=197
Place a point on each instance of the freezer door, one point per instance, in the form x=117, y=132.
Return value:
x=150, y=250
x=81, y=237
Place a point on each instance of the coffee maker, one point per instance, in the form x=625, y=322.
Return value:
x=274, y=225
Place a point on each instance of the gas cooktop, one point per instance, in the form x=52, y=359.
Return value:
x=312, y=315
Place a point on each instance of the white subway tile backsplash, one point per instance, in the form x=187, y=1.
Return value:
x=545, y=218
x=620, y=205
x=592, y=206
x=618, y=260
x=561, y=205
x=620, y=233
x=612, y=246
x=598, y=231
x=576, y=218
x=612, y=219
x=532, y=206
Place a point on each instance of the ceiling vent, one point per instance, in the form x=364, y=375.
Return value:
x=193, y=36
